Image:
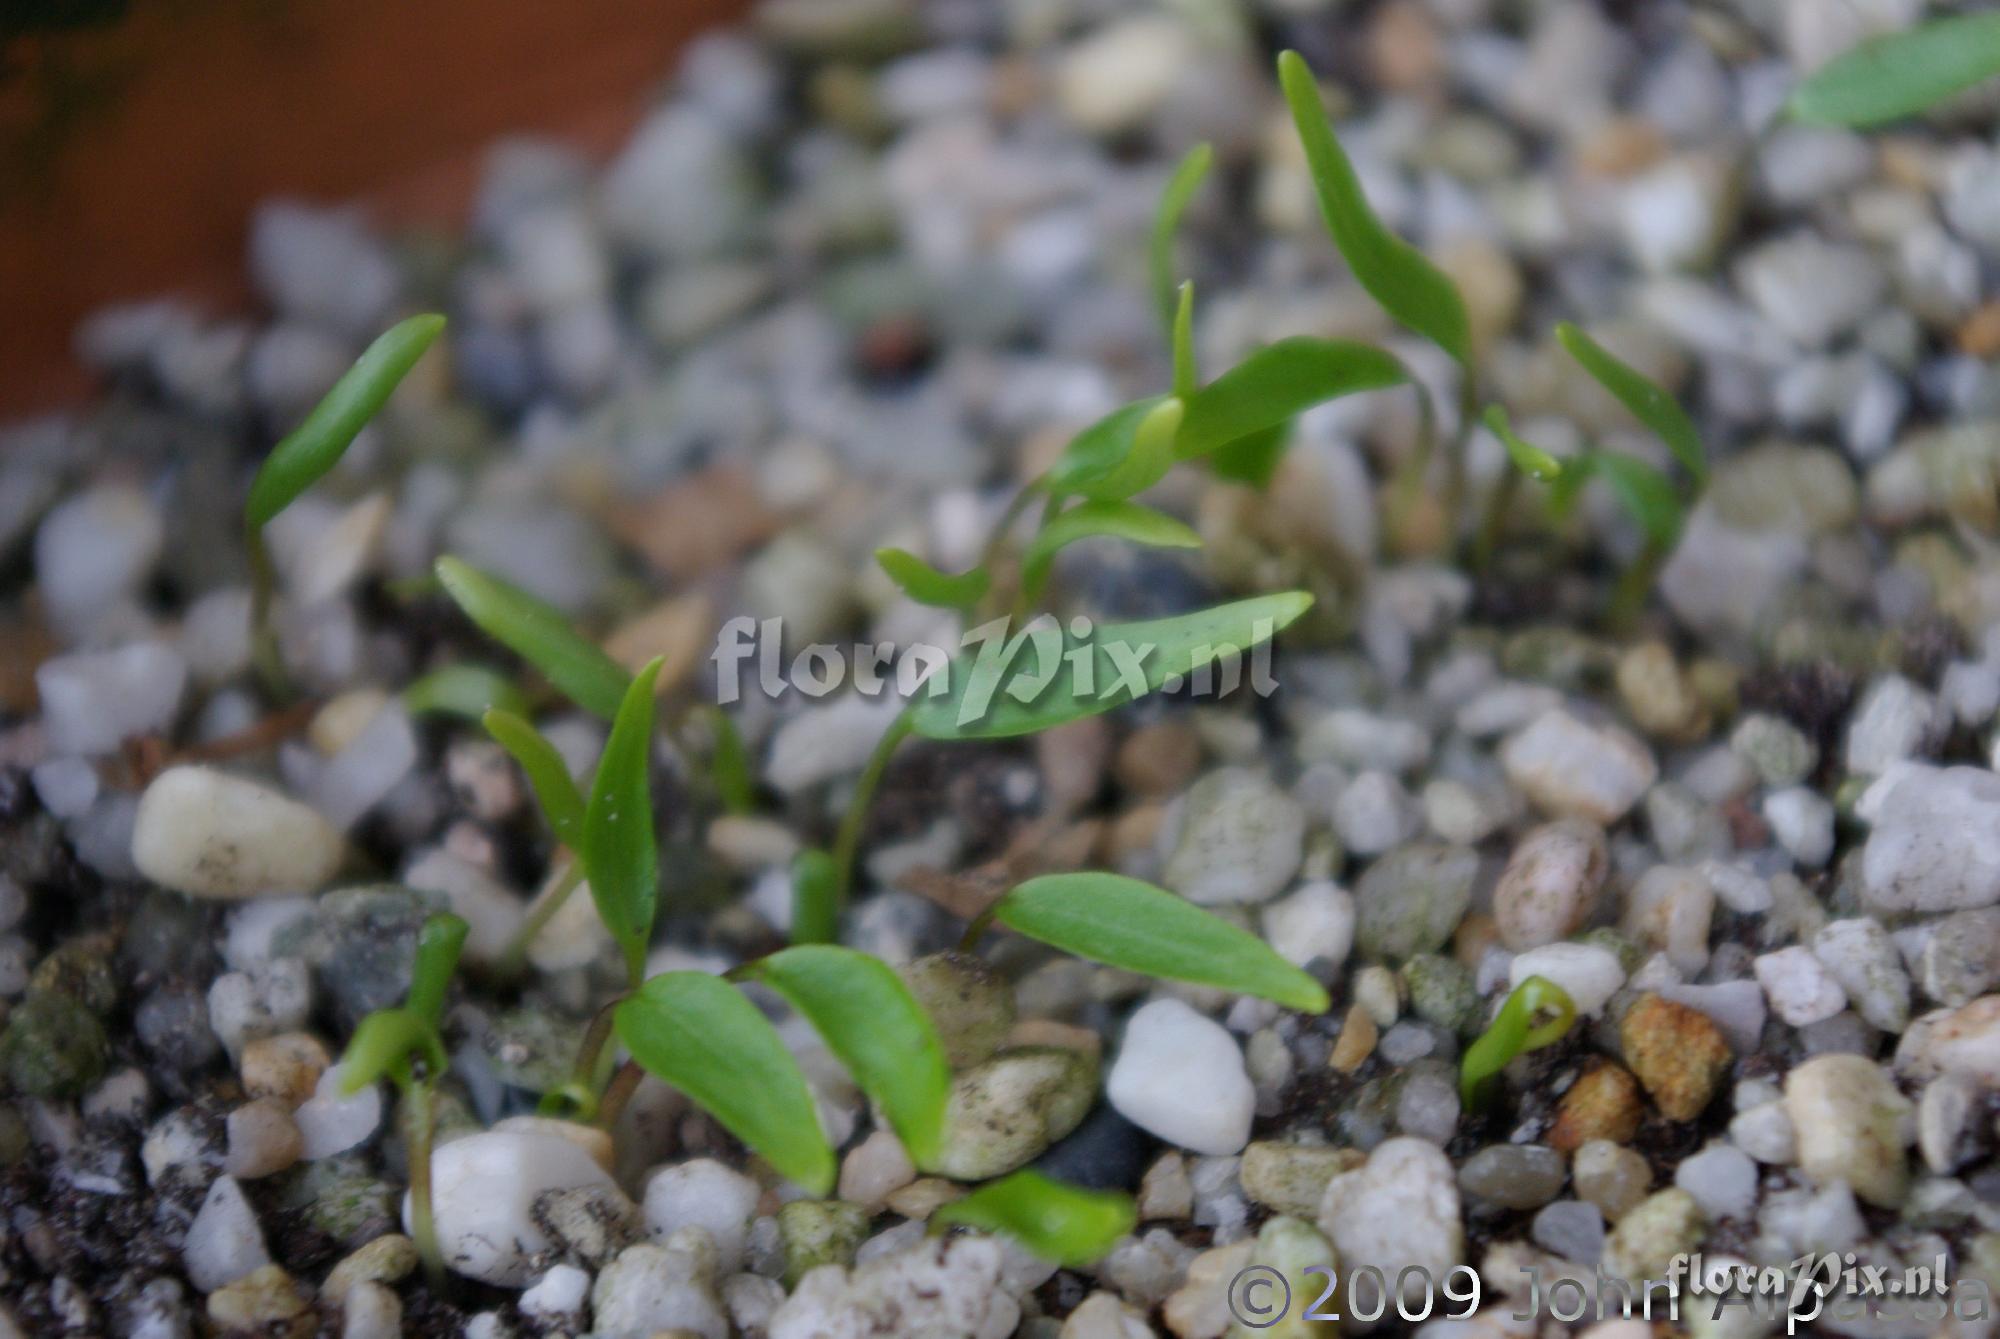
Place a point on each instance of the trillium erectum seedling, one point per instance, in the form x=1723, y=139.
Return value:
x=1062, y=1223
x=310, y=451
x=1538, y=1013
x=406, y=1047
x=1896, y=75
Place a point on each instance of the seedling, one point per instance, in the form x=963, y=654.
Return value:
x=469, y=691
x=406, y=1046
x=1651, y=499
x=539, y=634
x=1062, y=1223
x=1901, y=74
x=1538, y=1013
x=310, y=452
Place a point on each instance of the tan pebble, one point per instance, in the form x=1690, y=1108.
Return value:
x=1356, y=1042
x=923, y=1197
x=1677, y=1053
x=1199, y=1309
x=874, y=1169
x=263, y=1140
x=1160, y=759
x=679, y=631
x=1603, y=1104
x=1979, y=336
x=1165, y=1191
x=1048, y=1032
x=335, y=725
x=1621, y=147
x=266, y=1300
x=1614, y=1178
x=388, y=1258
x=284, y=1068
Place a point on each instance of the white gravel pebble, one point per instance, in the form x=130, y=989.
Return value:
x=333, y=1123
x=1862, y=957
x=706, y=1194
x=484, y=1187
x=1589, y=972
x=224, y=1242
x=942, y=1287
x=1799, y=987
x=557, y=1294
x=1935, y=840
x=1550, y=884
x=1316, y=921
x=94, y=701
x=1802, y=821
x=209, y=834
x=1849, y=1121
x=1374, y=813
x=649, y=1289
x=1179, y=1075
x=1240, y=839
x=1572, y=769
x=1895, y=720
x=1765, y=1133
x=1723, y=1181
x=93, y=549
x=1398, y=1210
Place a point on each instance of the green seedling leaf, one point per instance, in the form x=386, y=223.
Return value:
x=1125, y=923
x=876, y=1028
x=1276, y=384
x=383, y=1045
x=1174, y=199
x=926, y=585
x=538, y=634
x=1528, y=458
x=1538, y=1013
x=1411, y=289
x=1046, y=675
x=1088, y=520
x=698, y=1033
x=1647, y=495
x=1901, y=74
x=729, y=766
x=547, y=773
x=815, y=898
x=1254, y=459
x=1150, y=457
x=438, y=945
x=1650, y=404
x=620, y=854
x=1100, y=448
x=464, y=690
x=312, y=449
x=1066, y=1224
x=1187, y=374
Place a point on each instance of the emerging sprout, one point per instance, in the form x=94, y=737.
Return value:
x=406, y=1047
x=1900, y=74
x=1536, y=1014
x=311, y=451
x=538, y=634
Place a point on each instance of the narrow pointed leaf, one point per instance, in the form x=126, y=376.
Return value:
x=1089, y=520
x=547, y=773
x=464, y=690
x=1046, y=675
x=926, y=585
x=1187, y=375
x=729, y=766
x=538, y=634
x=438, y=945
x=815, y=898
x=620, y=854
x=1150, y=457
x=1514, y=1031
x=1126, y=923
x=1254, y=459
x=1411, y=289
x=1528, y=458
x=1647, y=495
x=313, y=448
x=1649, y=403
x=1174, y=199
x=1066, y=1224
x=1901, y=74
x=698, y=1033
x=1276, y=384
x=877, y=1030
x=1099, y=448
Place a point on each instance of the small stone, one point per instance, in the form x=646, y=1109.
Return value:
x=1356, y=1042
x=924, y=1196
x=1571, y=769
x=1316, y=921
x=1848, y=1117
x=1603, y=1104
x=937, y=1287
x=1802, y=821
x=332, y=1121
x=1551, y=882
x=1198, y=1307
x=371, y=1311
x=1292, y=1178
x=53, y=1047
x=1935, y=843
x=706, y=1194
x=1513, y=1176
x=1676, y=1053
x=1735, y=1007
x=1895, y=720
x=264, y=1297
x=1399, y=1210
x=1164, y=1191
x=1959, y=960
x=285, y=1068
x=1610, y=1176
x=1779, y=750
x=1662, y=700
x=651, y=1288
x=1180, y=1076
x=1651, y=1234
x=484, y=1187
x=1812, y=289
x=1765, y=1133
x=263, y=1139
x=1946, y=1114
x=558, y=1295
x=970, y=1004
x=1723, y=1181
x=1442, y=991
x=819, y=1232
x=1241, y=839
x=1004, y=1113
x=1117, y=77
x=1799, y=987
x=1674, y=215
x=224, y=1242
x=209, y=834
x=1590, y=973
x=93, y=549
x=1374, y=813
x=94, y=701
x=1102, y=1316
x=389, y=1258
x=1671, y=909
x=1411, y=899
x=874, y=1169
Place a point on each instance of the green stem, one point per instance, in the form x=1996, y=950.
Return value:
x=847, y=841
x=423, y=1219
x=1494, y=524
x=618, y=1092
x=264, y=654
x=1408, y=484
x=514, y=958
x=1455, y=463
x=1628, y=601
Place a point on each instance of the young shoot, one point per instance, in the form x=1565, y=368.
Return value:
x=1065, y=1224
x=1900, y=74
x=309, y=453
x=539, y=634
x=468, y=691
x=1538, y=1013
x=406, y=1046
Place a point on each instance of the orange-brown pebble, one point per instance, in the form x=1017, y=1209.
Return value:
x=1603, y=1104
x=1677, y=1053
